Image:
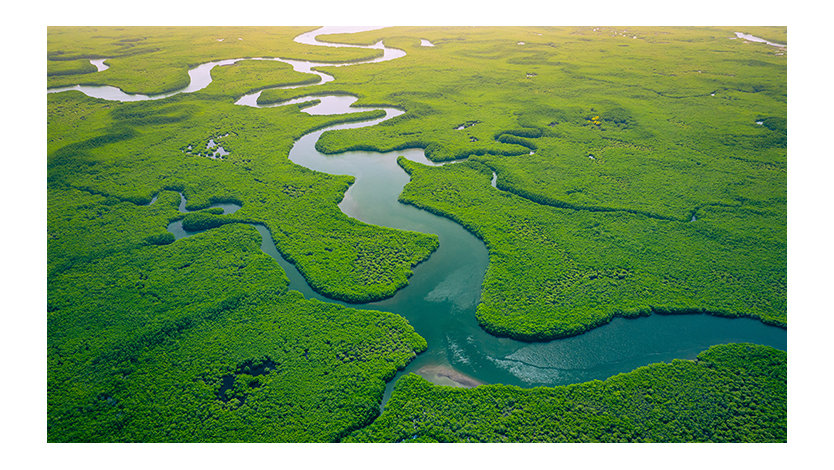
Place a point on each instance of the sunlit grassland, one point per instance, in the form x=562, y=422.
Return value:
x=69, y=67
x=668, y=145
x=251, y=75
x=555, y=272
x=199, y=340
x=144, y=334
x=152, y=60
x=135, y=150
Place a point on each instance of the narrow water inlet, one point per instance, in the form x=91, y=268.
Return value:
x=99, y=64
x=200, y=76
x=750, y=37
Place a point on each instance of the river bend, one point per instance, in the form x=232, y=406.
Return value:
x=441, y=297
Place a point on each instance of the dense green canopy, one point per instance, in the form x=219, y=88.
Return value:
x=637, y=170
x=730, y=393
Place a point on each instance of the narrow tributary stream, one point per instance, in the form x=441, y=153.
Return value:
x=441, y=297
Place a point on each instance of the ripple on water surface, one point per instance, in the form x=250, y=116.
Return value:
x=625, y=344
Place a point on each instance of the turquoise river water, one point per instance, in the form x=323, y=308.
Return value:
x=443, y=293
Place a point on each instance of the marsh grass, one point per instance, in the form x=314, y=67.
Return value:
x=144, y=331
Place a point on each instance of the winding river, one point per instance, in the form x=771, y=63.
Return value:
x=441, y=297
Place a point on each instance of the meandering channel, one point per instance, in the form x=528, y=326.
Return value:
x=750, y=37
x=441, y=297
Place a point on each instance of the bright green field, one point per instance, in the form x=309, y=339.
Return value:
x=144, y=335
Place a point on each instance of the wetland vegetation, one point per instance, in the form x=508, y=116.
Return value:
x=681, y=209
x=729, y=393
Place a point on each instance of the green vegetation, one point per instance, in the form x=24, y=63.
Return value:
x=556, y=272
x=730, y=393
x=205, y=220
x=154, y=60
x=142, y=337
x=252, y=75
x=134, y=150
x=682, y=208
x=651, y=188
x=69, y=67
x=142, y=341
x=143, y=332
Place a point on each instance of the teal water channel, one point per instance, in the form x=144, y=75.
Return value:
x=443, y=293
